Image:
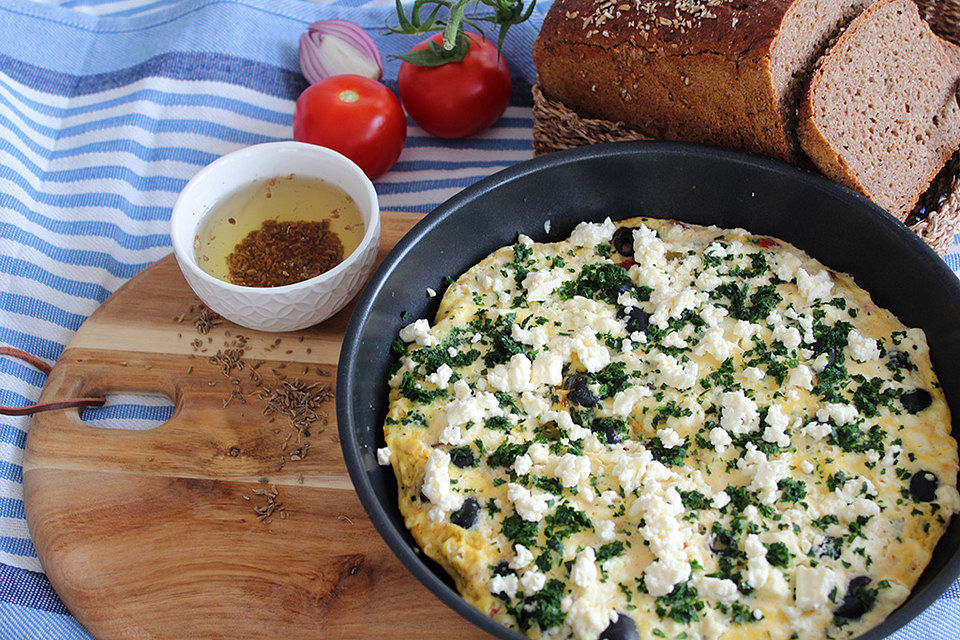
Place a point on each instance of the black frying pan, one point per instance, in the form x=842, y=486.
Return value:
x=692, y=183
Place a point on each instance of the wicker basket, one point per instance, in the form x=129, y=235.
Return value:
x=935, y=219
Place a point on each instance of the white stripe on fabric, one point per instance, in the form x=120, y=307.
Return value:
x=114, y=7
x=37, y=328
x=27, y=389
x=139, y=110
x=143, y=198
x=9, y=449
x=28, y=563
x=91, y=216
x=401, y=200
x=224, y=138
x=142, y=112
x=14, y=528
x=93, y=276
x=153, y=85
x=8, y=487
x=97, y=160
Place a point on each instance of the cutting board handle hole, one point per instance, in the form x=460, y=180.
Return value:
x=130, y=411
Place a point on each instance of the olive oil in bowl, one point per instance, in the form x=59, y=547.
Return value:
x=278, y=231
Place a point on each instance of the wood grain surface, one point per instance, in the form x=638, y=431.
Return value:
x=153, y=534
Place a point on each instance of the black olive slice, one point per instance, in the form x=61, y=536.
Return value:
x=502, y=568
x=578, y=392
x=857, y=601
x=607, y=429
x=820, y=347
x=900, y=359
x=623, y=241
x=923, y=486
x=722, y=544
x=637, y=319
x=462, y=458
x=623, y=628
x=829, y=548
x=466, y=515
x=916, y=400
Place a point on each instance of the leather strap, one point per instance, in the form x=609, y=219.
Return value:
x=46, y=406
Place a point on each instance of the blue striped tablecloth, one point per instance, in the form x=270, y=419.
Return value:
x=107, y=108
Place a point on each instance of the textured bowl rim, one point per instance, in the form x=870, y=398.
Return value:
x=187, y=259
x=348, y=367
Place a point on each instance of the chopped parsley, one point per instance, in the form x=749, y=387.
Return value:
x=673, y=457
x=680, y=605
x=740, y=613
x=607, y=427
x=670, y=410
x=610, y=380
x=870, y=397
x=542, y=608
x=694, y=500
x=774, y=358
x=722, y=377
x=836, y=480
x=740, y=498
x=522, y=261
x=609, y=550
x=777, y=554
x=506, y=454
x=758, y=266
x=602, y=281
x=432, y=357
x=498, y=333
x=411, y=390
x=850, y=437
x=762, y=301
x=825, y=521
x=566, y=521
x=831, y=381
x=518, y=530
x=497, y=423
x=792, y=490
x=550, y=485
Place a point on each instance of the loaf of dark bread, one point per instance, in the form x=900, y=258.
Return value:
x=880, y=112
x=702, y=70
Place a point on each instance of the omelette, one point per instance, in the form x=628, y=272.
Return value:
x=659, y=430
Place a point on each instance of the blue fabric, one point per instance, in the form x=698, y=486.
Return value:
x=107, y=108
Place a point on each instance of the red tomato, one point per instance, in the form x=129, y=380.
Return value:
x=355, y=116
x=457, y=99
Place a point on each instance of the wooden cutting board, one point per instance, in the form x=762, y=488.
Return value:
x=153, y=534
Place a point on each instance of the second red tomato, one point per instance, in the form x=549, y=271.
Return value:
x=457, y=99
x=355, y=116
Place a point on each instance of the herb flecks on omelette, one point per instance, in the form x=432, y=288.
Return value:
x=703, y=432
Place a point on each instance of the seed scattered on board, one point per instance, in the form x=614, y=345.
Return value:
x=301, y=402
x=273, y=504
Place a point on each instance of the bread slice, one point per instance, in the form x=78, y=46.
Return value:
x=880, y=112
x=728, y=73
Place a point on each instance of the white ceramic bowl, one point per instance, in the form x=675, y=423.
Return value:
x=293, y=306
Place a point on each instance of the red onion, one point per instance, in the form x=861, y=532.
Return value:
x=338, y=47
